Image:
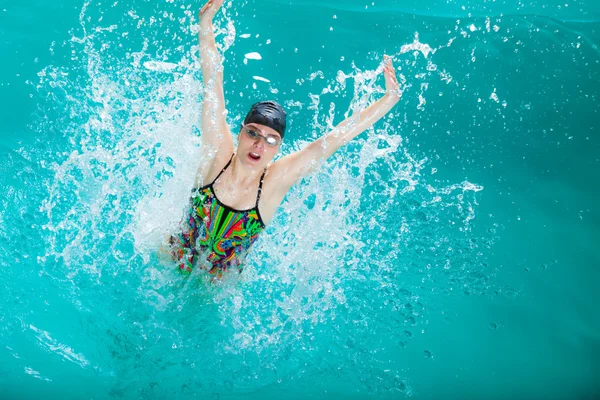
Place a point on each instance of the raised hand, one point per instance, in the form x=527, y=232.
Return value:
x=208, y=11
x=391, y=82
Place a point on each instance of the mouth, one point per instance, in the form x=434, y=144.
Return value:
x=254, y=156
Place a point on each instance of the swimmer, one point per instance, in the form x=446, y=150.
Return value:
x=239, y=189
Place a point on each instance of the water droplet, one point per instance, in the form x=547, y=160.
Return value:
x=428, y=354
x=493, y=326
x=253, y=56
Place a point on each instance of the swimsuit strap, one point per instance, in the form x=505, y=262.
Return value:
x=260, y=187
x=223, y=170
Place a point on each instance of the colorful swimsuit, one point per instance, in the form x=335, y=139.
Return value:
x=222, y=233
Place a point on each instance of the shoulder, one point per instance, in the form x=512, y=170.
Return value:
x=289, y=165
x=279, y=176
x=212, y=167
x=273, y=192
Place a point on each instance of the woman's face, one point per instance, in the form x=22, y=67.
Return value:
x=255, y=153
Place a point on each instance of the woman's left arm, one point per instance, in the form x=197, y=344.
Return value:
x=295, y=166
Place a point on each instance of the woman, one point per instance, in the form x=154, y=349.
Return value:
x=245, y=188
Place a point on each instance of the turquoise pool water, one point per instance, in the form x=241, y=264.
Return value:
x=449, y=253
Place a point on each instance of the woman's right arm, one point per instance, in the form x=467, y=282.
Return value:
x=293, y=167
x=217, y=140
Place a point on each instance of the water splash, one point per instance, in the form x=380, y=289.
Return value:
x=348, y=264
x=417, y=46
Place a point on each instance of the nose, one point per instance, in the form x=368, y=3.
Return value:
x=258, y=143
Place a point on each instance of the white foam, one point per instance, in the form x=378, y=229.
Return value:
x=160, y=66
x=127, y=190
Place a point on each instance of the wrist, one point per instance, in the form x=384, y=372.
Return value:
x=206, y=25
x=392, y=97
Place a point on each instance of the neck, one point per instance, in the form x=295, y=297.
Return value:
x=241, y=175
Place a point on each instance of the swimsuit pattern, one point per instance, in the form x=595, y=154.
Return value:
x=223, y=233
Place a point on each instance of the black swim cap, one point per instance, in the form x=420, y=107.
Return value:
x=268, y=113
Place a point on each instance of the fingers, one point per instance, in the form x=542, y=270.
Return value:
x=387, y=60
x=387, y=64
x=211, y=6
x=390, y=74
